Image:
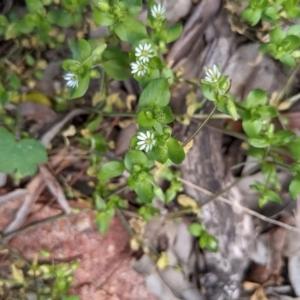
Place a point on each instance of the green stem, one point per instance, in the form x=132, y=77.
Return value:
x=200, y=127
x=121, y=114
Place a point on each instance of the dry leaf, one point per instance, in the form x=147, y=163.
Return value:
x=250, y=286
x=129, y=100
x=17, y=274
x=70, y=131
x=137, y=225
x=188, y=146
x=163, y=261
x=187, y=201
x=259, y=294
x=134, y=244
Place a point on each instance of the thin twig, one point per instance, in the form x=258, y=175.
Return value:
x=18, y=193
x=243, y=208
x=14, y=233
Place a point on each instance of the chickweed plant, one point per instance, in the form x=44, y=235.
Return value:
x=153, y=148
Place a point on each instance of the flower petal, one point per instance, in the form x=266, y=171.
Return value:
x=143, y=147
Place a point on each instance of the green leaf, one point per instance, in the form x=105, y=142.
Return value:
x=264, y=112
x=208, y=92
x=252, y=15
x=295, y=148
x=257, y=153
x=147, y=212
x=116, y=64
x=158, y=128
x=99, y=50
x=231, y=110
x=277, y=35
x=161, y=154
x=103, y=18
x=272, y=196
x=34, y=5
x=62, y=18
x=116, y=69
x=261, y=142
x=293, y=13
x=252, y=127
x=159, y=193
x=103, y=221
x=22, y=156
x=175, y=151
x=83, y=84
x=85, y=49
x=256, y=97
x=135, y=157
x=174, y=32
x=196, y=229
x=129, y=3
x=209, y=242
x=164, y=115
x=14, y=82
x=282, y=137
x=294, y=187
x=170, y=195
x=155, y=63
x=71, y=65
x=291, y=42
x=130, y=30
x=294, y=30
x=270, y=174
x=99, y=202
x=288, y=60
x=168, y=74
x=109, y=170
x=3, y=24
x=272, y=13
x=71, y=297
x=145, y=192
x=143, y=120
x=156, y=94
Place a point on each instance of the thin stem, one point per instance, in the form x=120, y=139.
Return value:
x=200, y=127
x=245, y=209
x=288, y=83
x=121, y=114
x=235, y=182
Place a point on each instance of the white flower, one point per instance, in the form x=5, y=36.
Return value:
x=146, y=141
x=213, y=74
x=158, y=11
x=139, y=68
x=144, y=52
x=71, y=79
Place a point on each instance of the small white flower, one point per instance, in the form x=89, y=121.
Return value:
x=139, y=68
x=213, y=74
x=146, y=141
x=71, y=79
x=144, y=52
x=158, y=11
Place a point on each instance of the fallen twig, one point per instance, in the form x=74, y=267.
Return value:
x=34, y=189
x=55, y=188
x=245, y=209
x=18, y=193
